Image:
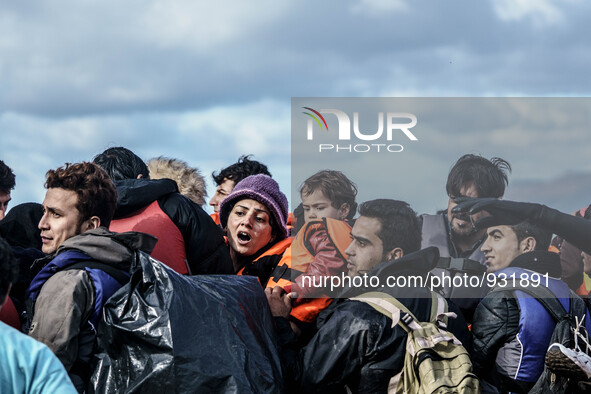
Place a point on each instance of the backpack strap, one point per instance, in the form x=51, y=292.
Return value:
x=400, y=314
x=439, y=310
x=544, y=296
x=391, y=307
x=116, y=273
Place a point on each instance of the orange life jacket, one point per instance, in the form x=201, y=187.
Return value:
x=298, y=257
x=215, y=217
x=170, y=248
x=279, y=248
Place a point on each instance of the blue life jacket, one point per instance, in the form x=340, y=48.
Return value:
x=104, y=284
x=523, y=359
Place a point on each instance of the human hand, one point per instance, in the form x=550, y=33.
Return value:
x=502, y=212
x=279, y=301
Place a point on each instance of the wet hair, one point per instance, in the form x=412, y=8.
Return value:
x=399, y=224
x=189, y=180
x=241, y=169
x=335, y=186
x=528, y=229
x=489, y=177
x=121, y=163
x=96, y=192
x=8, y=268
x=7, y=179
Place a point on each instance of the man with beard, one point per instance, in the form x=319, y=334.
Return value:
x=453, y=232
x=356, y=348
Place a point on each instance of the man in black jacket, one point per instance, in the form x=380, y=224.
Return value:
x=512, y=331
x=356, y=346
x=188, y=240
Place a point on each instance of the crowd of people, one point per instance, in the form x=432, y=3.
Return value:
x=61, y=261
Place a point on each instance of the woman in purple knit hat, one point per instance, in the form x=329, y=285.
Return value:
x=254, y=217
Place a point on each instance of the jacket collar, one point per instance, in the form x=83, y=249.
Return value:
x=540, y=261
x=416, y=263
x=109, y=247
x=133, y=194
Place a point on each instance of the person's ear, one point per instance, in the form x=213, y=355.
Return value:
x=343, y=211
x=394, y=254
x=92, y=223
x=527, y=245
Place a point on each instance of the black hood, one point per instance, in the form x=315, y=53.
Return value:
x=416, y=263
x=133, y=194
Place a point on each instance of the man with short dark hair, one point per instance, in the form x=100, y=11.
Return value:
x=85, y=265
x=356, y=347
x=7, y=183
x=228, y=177
x=188, y=240
x=511, y=330
x=453, y=233
x=384, y=230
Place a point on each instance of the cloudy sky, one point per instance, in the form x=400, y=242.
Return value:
x=209, y=81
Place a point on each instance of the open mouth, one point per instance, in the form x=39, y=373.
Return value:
x=244, y=237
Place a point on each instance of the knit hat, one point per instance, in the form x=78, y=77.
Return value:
x=261, y=188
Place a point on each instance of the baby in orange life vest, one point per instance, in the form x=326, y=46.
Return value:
x=317, y=251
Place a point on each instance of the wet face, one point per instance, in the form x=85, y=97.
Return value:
x=4, y=200
x=221, y=192
x=501, y=247
x=460, y=222
x=317, y=206
x=248, y=227
x=366, y=249
x=60, y=219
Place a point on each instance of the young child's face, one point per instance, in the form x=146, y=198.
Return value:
x=317, y=206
